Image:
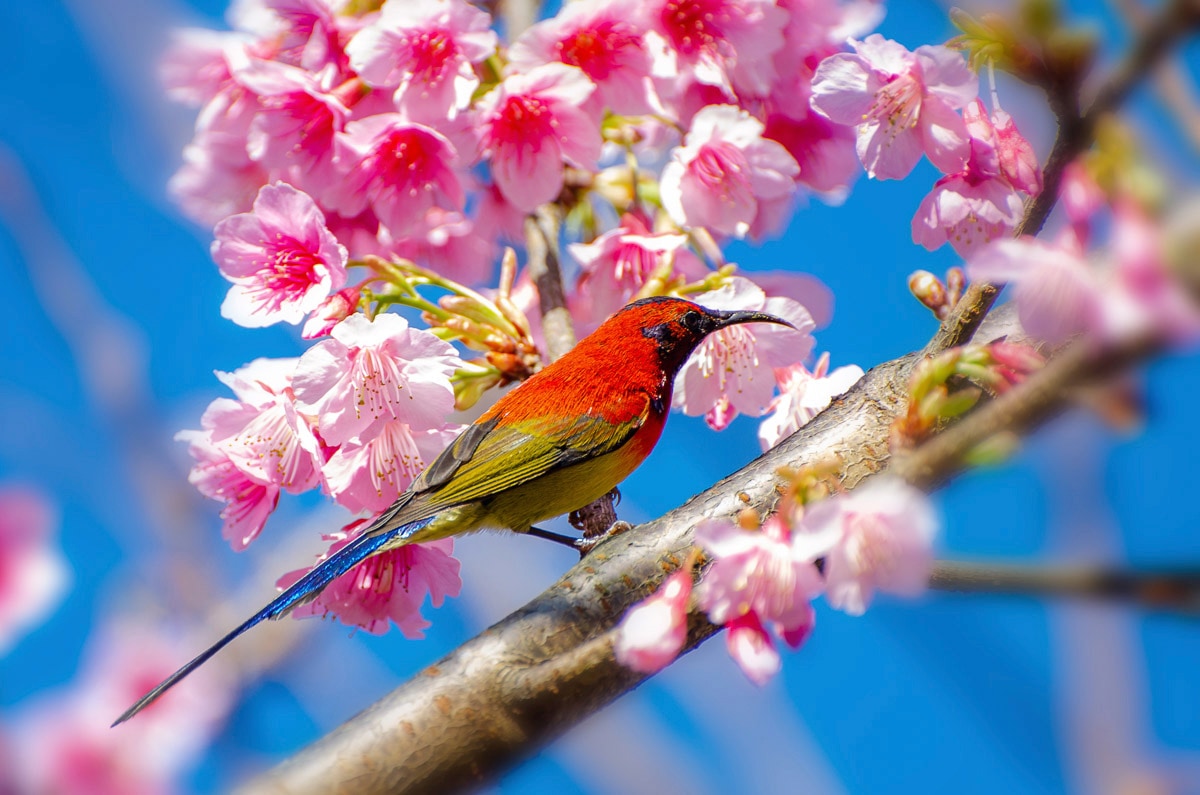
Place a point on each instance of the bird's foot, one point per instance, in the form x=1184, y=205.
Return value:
x=586, y=544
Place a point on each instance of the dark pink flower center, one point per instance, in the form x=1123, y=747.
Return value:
x=407, y=158
x=289, y=270
x=694, y=26
x=597, y=50
x=431, y=52
x=524, y=121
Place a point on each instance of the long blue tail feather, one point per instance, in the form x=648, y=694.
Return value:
x=303, y=590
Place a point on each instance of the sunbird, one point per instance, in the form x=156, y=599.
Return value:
x=558, y=442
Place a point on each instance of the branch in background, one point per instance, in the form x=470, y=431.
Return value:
x=1165, y=590
x=1177, y=19
x=541, y=244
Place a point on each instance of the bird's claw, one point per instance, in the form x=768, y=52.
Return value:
x=586, y=545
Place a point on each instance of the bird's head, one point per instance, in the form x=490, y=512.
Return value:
x=676, y=327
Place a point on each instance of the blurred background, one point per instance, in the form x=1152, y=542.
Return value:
x=112, y=332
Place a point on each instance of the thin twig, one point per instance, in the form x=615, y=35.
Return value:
x=1161, y=590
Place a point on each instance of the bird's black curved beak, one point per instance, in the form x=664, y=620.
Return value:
x=733, y=318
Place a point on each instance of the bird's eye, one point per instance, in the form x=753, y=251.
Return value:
x=692, y=320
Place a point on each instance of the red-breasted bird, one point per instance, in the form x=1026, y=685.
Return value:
x=561, y=440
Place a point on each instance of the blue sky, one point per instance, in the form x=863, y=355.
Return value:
x=113, y=334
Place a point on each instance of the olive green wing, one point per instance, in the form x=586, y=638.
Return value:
x=491, y=457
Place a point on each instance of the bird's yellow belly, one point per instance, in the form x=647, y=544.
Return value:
x=557, y=493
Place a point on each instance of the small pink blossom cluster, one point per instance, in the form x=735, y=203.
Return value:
x=906, y=104
x=1059, y=293
x=360, y=415
x=762, y=581
x=61, y=743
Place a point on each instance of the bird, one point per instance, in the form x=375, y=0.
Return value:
x=562, y=439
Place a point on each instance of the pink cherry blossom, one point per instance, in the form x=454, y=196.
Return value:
x=823, y=150
x=372, y=371
x=281, y=258
x=216, y=180
x=389, y=586
x=1056, y=292
x=533, y=123
x=723, y=43
x=248, y=502
x=398, y=169
x=1018, y=161
x=601, y=37
x=260, y=431
x=292, y=135
x=310, y=32
x=802, y=396
x=969, y=208
x=196, y=65
x=902, y=103
x=652, y=633
x=427, y=49
x=882, y=540
x=751, y=647
x=369, y=474
x=723, y=171
x=33, y=573
x=735, y=365
x=617, y=264
x=1145, y=297
x=759, y=578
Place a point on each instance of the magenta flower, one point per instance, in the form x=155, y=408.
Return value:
x=369, y=474
x=902, y=103
x=260, y=431
x=759, y=578
x=601, y=37
x=399, y=169
x=970, y=208
x=33, y=573
x=531, y=124
x=802, y=396
x=653, y=632
x=372, y=371
x=390, y=586
x=879, y=538
x=723, y=43
x=1018, y=162
x=733, y=369
x=449, y=243
x=292, y=135
x=617, y=264
x=427, y=49
x=281, y=258
x=723, y=171
x=248, y=502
